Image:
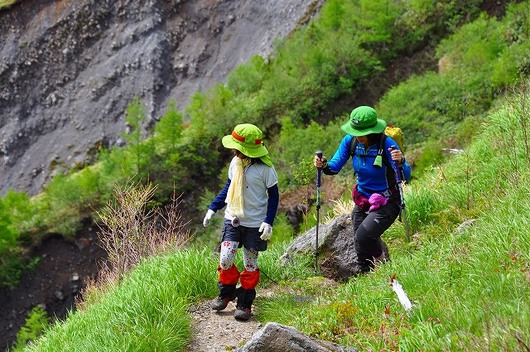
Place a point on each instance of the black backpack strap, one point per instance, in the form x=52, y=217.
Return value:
x=390, y=174
x=380, y=151
x=353, y=145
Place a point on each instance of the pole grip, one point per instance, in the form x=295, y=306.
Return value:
x=397, y=169
x=319, y=169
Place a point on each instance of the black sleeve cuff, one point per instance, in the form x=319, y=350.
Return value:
x=327, y=171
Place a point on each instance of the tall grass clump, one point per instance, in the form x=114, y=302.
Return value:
x=132, y=230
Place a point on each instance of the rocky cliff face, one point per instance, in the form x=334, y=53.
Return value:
x=69, y=68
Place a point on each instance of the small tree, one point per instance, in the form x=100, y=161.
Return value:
x=139, y=153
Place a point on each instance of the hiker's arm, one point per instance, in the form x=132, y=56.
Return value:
x=407, y=172
x=219, y=201
x=339, y=159
x=272, y=204
x=396, y=155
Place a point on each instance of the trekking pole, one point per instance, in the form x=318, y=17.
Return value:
x=398, y=170
x=319, y=173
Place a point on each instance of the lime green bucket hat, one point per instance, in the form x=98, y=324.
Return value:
x=364, y=121
x=248, y=139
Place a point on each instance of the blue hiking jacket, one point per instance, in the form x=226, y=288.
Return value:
x=371, y=179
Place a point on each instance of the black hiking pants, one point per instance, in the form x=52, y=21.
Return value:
x=368, y=228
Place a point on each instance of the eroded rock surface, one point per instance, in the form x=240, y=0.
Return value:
x=68, y=69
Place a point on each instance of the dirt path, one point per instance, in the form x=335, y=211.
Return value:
x=219, y=331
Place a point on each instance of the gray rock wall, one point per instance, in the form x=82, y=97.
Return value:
x=68, y=70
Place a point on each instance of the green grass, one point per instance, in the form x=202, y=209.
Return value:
x=148, y=310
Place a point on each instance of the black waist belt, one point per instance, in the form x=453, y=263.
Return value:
x=387, y=193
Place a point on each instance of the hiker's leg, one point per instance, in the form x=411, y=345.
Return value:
x=249, y=280
x=369, y=231
x=357, y=217
x=227, y=254
x=231, y=241
x=228, y=275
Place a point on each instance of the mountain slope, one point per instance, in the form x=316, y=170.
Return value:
x=70, y=68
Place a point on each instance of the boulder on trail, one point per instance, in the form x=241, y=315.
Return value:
x=337, y=258
x=275, y=337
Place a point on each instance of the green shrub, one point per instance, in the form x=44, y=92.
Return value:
x=36, y=323
x=8, y=235
x=283, y=231
x=139, y=151
x=431, y=155
x=428, y=106
x=12, y=265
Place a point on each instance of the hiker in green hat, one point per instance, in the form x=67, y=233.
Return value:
x=376, y=195
x=251, y=197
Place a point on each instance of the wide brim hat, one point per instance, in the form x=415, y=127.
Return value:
x=248, y=139
x=364, y=121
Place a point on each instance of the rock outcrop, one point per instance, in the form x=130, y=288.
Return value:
x=68, y=70
x=337, y=258
x=275, y=337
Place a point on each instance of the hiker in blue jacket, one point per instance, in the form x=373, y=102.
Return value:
x=376, y=194
x=251, y=197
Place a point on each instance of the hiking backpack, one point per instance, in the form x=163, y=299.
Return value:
x=396, y=134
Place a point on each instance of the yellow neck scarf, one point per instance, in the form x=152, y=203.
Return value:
x=234, y=197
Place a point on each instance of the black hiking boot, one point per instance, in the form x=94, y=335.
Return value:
x=245, y=297
x=220, y=303
x=242, y=314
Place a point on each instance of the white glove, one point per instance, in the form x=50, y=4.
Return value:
x=208, y=217
x=267, y=231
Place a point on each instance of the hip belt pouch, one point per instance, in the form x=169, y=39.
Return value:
x=360, y=200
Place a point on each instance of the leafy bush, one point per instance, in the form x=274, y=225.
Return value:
x=12, y=265
x=431, y=155
x=428, y=106
x=283, y=231
x=36, y=323
x=8, y=235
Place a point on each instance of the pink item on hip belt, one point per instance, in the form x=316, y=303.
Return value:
x=377, y=201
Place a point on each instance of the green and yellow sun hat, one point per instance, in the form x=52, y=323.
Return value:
x=248, y=139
